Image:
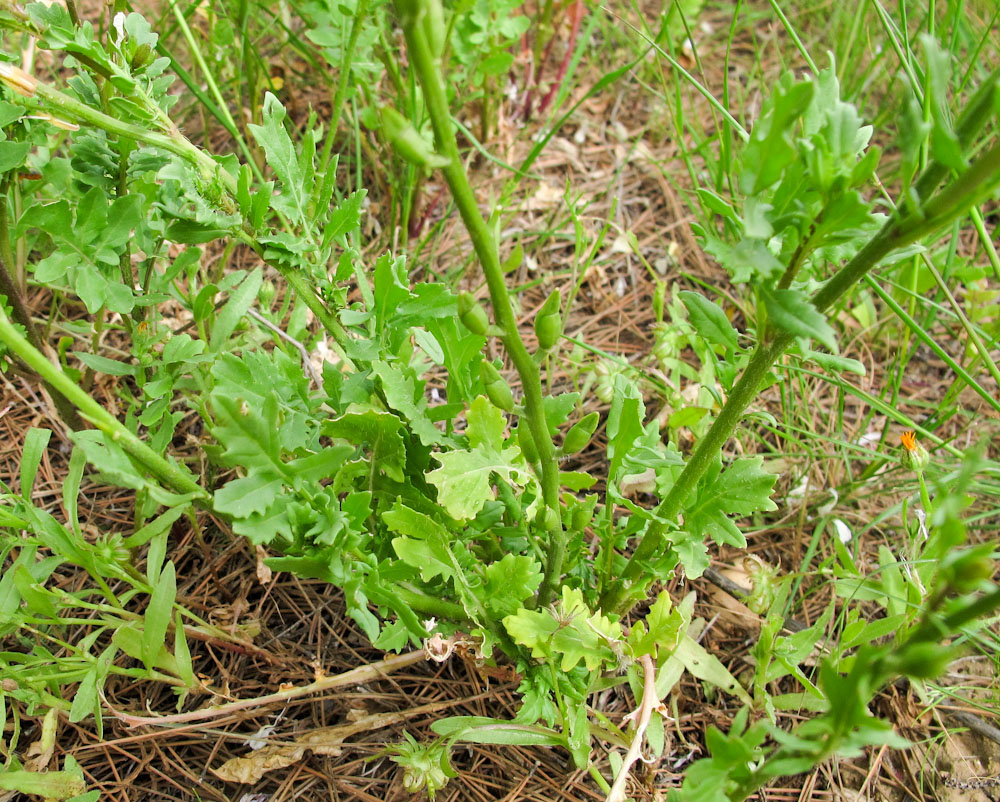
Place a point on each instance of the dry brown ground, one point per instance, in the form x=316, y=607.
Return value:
x=614, y=151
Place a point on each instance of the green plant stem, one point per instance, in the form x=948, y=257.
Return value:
x=947, y=205
x=428, y=71
x=430, y=605
x=22, y=315
x=172, y=475
x=69, y=108
x=214, y=89
x=343, y=82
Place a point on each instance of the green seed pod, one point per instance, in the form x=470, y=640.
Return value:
x=548, y=322
x=579, y=435
x=553, y=520
x=472, y=315
x=434, y=27
x=527, y=443
x=497, y=390
x=604, y=386
x=582, y=514
x=406, y=140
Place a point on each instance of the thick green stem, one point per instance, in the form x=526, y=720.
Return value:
x=169, y=473
x=428, y=70
x=947, y=205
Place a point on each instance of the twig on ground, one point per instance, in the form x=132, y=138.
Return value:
x=642, y=716
x=741, y=594
x=368, y=673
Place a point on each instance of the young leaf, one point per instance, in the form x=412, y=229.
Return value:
x=708, y=320
x=158, y=614
x=424, y=543
x=272, y=136
x=463, y=480
x=792, y=312
x=509, y=582
x=35, y=443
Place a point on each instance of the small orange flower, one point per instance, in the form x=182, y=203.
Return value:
x=909, y=440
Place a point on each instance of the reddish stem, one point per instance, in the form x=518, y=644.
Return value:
x=576, y=17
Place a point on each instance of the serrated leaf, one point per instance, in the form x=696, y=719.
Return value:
x=345, y=217
x=661, y=628
x=424, y=543
x=464, y=479
x=742, y=489
x=770, y=150
x=624, y=425
x=792, y=312
x=400, y=388
x=747, y=259
x=272, y=136
x=508, y=582
x=572, y=635
x=709, y=320
x=380, y=431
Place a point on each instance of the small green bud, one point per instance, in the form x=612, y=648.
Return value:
x=266, y=292
x=142, y=57
x=527, y=443
x=497, y=390
x=553, y=520
x=548, y=322
x=472, y=315
x=406, y=140
x=579, y=436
